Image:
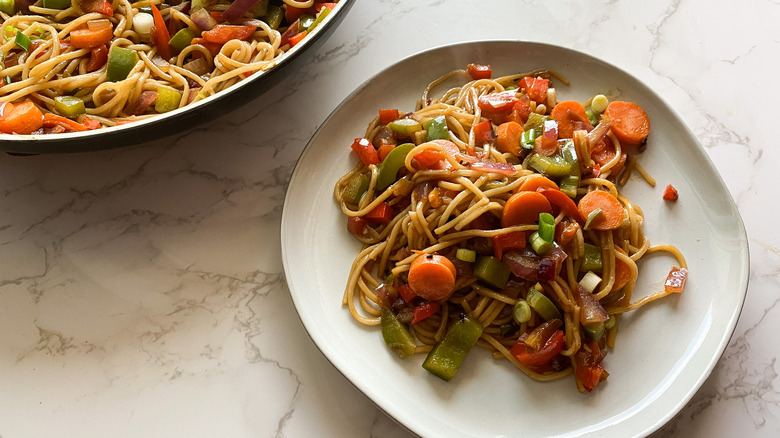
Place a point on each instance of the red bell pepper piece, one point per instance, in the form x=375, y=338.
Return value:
x=365, y=151
x=222, y=33
x=535, y=88
x=384, y=150
x=388, y=115
x=91, y=123
x=507, y=241
x=675, y=281
x=381, y=214
x=406, y=293
x=546, y=354
x=520, y=111
x=97, y=58
x=565, y=231
x=297, y=38
x=356, y=225
x=670, y=194
x=588, y=369
x=424, y=310
x=497, y=102
x=160, y=36
x=483, y=132
x=479, y=71
x=51, y=120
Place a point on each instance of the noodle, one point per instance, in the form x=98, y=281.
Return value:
x=50, y=55
x=453, y=194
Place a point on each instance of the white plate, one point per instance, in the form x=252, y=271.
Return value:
x=664, y=351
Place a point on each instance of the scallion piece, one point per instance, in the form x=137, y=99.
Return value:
x=527, y=138
x=590, y=281
x=466, y=255
x=22, y=41
x=569, y=185
x=521, y=312
x=320, y=17
x=608, y=324
x=546, y=226
x=591, y=217
x=539, y=245
x=542, y=305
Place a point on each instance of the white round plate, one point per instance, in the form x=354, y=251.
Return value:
x=664, y=351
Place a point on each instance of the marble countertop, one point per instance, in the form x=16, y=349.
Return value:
x=142, y=291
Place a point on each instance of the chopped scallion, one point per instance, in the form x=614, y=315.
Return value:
x=539, y=245
x=546, y=226
x=521, y=312
x=542, y=305
x=590, y=281
x=22, y=41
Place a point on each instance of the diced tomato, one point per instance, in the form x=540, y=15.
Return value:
x=535, y=88
x=388, y=115
x=478, y=71
x=507, y=241
x=675, y=281
x=424, y=310
x=365, y=151
x=670, y=194
x=356, y=225
x=483, y=132
x=406, y=293
x=381, y=214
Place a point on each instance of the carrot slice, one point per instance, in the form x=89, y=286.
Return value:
x=432, y=276
x=611, y=210
x=536, y=181
x=508, y=136
x=570, y=116
x=524, y=208
x=23, y=118
x=622, y=271
x=630, y=123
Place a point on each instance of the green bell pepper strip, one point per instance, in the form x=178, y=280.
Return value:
x=167, y=99
x=542, y=305
x=183, y=38
x=56, y=4
x=436, y=128
x=355, y=188
x=591, y=260
x=305, y=22
x=490, y=270
x=324, y=12
x=388, y=168
x=446, y=357
x=396, y=335
x=120, y=63
x=554, y=166
x=274, y=16
x=260, y=9
x=69, y=106
x=8, y=6
x=405, y=127
x=22, y=41
x=466, y=255
x=570, y=182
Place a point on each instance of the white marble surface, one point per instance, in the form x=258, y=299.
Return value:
x=142, y=292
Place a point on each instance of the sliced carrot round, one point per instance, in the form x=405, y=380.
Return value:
x=536, y=181
x=568, y=114
x=622, y=271
x=23, y=118
x=508, y=137
x=523, y=208
x=432, y=276
x=630, y=123
x=611, y=210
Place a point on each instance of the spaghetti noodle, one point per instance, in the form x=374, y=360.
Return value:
x=99, y=63
x=493, y=213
